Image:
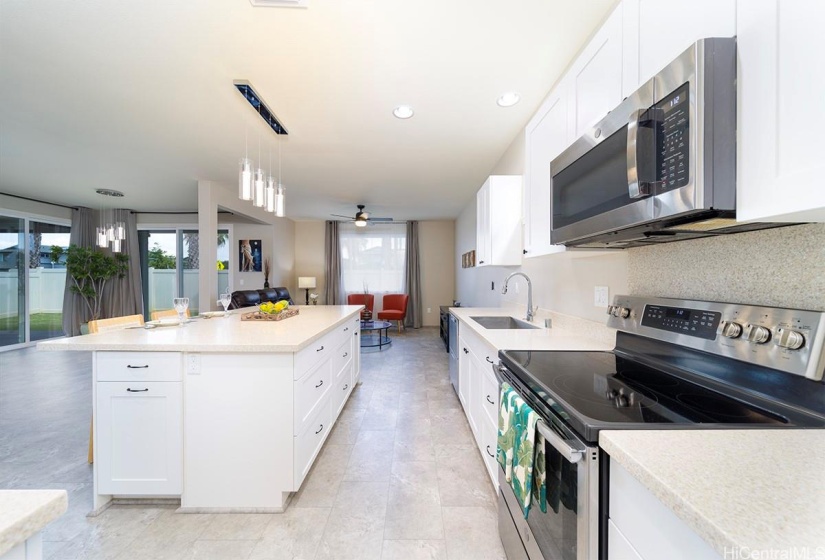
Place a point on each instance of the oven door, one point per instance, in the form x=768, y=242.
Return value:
x=569, y=529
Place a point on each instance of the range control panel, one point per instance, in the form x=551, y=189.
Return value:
x=691, y=322
x=790, y=340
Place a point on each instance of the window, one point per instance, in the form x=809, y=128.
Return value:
x=373, y=258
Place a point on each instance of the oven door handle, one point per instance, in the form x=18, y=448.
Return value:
x=570, y=453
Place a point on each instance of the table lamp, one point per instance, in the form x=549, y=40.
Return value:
x=307, y=283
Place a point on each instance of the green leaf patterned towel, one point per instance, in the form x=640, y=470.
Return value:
x=517, y=435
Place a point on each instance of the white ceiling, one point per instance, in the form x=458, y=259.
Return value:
x=139, y=97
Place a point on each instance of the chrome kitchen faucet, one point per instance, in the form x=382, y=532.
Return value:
x=529, y=317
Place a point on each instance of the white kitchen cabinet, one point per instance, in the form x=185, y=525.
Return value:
x=498, y=221
x=779, y=130
x=657, y=31
x=641, y=523
x=474, y=412
x=595, y=77
x=463, y=372
x=545, y=137
x=356, y=351
x=139, y=443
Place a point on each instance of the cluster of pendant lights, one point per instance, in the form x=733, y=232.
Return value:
x=110, y=234
x=264, y=193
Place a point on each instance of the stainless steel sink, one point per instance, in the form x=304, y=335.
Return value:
x=509, y=323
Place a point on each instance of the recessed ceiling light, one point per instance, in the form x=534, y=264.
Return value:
x=508, y=99
x=403, y=111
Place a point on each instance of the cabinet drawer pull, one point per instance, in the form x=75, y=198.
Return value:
x=356, y=334
x=488, y=452
x=346, y=329
x=321, y=383
x=489, y=361
x=466, y=351
x=137, y=390
x=137, y=367
x=345, y=354
x=319, y=429
x=489, y=400
x=346, y=387
x=319, y=349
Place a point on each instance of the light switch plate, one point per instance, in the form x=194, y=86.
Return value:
x=600, y=296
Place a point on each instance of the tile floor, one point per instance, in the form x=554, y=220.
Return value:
x=399, y=478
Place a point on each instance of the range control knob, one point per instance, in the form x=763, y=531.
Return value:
x=792, y=340
x=622, y=312
x=610, y=309
x=731, y=329
x=757, y=334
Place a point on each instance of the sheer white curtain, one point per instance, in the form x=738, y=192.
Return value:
x=373, y=259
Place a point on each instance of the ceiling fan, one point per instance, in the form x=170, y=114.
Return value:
x=362, y=218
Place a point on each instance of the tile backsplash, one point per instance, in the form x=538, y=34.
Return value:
x=782, y=267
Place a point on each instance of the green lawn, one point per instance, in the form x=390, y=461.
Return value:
x=39, y=322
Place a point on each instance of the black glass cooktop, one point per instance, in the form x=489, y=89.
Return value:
x=601, y=390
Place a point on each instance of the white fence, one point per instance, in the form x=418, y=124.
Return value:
x=46, y=288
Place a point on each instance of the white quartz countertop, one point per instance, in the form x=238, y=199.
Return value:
x=758, y=490
x=581, y=335
x=23, y=513
x=219, y=334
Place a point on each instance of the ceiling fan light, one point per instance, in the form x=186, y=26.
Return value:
x=245, y=180
x=259, y=190
x=360, y=221
x=280, y=200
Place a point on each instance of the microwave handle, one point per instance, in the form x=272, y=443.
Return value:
x=635, y=187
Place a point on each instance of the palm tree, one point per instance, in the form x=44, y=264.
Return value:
x=193, y=248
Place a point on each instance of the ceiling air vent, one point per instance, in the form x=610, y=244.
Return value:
x=245, y=88
x=280, y=3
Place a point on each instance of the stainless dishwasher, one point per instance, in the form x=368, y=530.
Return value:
x=453, y=340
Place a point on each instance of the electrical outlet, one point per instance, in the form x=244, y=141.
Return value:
x=600, y=296
x=240, y=281
x=193, y=364
x=429, y=310
x=515, y=287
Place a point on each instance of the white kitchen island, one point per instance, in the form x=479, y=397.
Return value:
x=227, y=415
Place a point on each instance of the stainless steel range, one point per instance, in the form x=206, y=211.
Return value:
x=677, y=364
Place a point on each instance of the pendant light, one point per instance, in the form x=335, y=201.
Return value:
x=270, y=186
x=245, y=175
x=280, y=192
x=259, y=185
x=110, y=233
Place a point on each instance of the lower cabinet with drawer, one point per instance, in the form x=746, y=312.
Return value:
x=139, y=424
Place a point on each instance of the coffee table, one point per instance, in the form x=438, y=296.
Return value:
x=371, y=335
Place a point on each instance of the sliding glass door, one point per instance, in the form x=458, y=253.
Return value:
x=170, y=266
x=12, y=281
x=32, y=279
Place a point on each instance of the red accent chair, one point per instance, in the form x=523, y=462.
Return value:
x=395, y=308
x=367, y=300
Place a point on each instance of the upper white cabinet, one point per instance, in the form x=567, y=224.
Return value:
x=595, y=78
x=546, y=136
x=657, y=31
x=498, y=221
x=780, y=141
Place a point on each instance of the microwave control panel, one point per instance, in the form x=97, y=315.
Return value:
x=672, y=140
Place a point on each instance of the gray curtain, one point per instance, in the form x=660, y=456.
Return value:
x=333, y=292
x=413, y=279
x=82, y=235
x=124, y=296
x=121, y=296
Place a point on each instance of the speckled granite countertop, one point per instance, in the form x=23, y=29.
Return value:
x=25, y=512
x=567, y=333
x=219, y=334
x=753, y=489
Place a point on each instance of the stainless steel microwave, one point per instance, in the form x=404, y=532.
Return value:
x=659, y=167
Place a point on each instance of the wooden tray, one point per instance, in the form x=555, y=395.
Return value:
x=258, y=316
